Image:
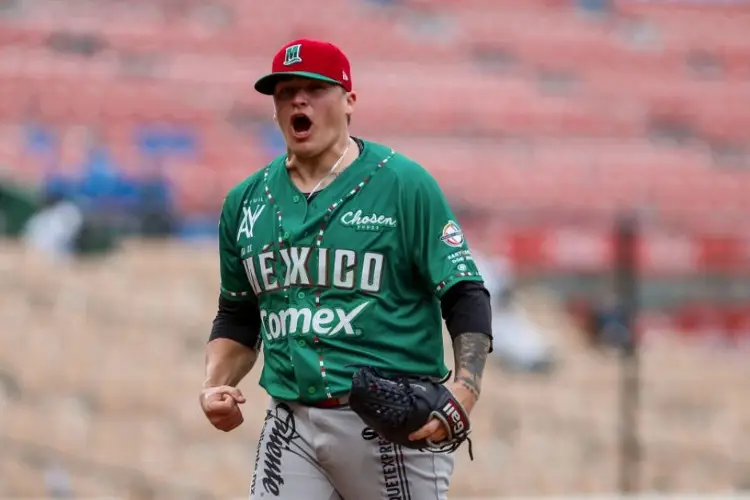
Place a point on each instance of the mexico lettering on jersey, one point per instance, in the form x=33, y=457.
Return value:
x=343, y=269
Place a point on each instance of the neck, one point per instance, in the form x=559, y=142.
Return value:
x=313, y=168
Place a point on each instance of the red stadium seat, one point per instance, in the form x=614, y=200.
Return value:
x=413, y=83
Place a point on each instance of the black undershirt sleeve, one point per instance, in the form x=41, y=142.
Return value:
x=238, y=321
x=466, y=308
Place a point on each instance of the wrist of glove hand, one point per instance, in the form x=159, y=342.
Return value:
x=438, y=429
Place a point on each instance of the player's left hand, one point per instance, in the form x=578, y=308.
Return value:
x=434, y=430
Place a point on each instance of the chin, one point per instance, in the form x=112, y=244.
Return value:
x=307, y=149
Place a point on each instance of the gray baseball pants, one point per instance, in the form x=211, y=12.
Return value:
x=308, y=453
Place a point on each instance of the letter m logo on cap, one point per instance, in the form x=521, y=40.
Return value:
x=291, y=55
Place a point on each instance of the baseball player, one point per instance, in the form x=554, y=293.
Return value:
x=339, y=254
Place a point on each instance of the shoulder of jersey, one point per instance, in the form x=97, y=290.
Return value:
x=399, y=165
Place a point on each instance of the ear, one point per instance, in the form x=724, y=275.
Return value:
x=351, y=99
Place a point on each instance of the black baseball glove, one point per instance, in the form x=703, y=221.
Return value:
x=396, y=406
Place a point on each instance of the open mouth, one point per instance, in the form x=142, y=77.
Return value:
x=301, y=124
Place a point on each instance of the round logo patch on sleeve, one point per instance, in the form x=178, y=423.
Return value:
x=452, y=235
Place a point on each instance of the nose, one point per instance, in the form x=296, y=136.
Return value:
x=300, y=97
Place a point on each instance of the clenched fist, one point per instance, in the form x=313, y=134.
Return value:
x=221, y=406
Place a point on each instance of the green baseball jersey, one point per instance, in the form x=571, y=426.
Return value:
x=353, y=277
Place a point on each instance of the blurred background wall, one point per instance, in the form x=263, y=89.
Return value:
x=124, y=122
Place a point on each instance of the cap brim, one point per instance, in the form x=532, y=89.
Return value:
x=267, y=84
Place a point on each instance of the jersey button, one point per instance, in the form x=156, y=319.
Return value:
x=311, y=389
x=300, y=295
x=287, y=235
x=301, y=343
x=295, y=199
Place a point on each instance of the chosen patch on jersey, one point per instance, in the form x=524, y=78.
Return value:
x=452, y=235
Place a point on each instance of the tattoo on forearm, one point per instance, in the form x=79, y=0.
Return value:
x=470, y=351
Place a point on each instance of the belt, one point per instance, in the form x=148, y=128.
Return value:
x=331, y=402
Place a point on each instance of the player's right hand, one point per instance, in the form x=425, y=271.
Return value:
x=221, y=406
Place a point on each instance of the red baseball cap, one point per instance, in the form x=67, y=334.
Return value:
x=309, y=59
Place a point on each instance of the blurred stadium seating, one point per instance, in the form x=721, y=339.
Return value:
x=111, y=359
x=536, y=86
x=547, y=117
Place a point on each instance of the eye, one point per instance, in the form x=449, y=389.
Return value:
x=317, y=88
x=285, y=93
